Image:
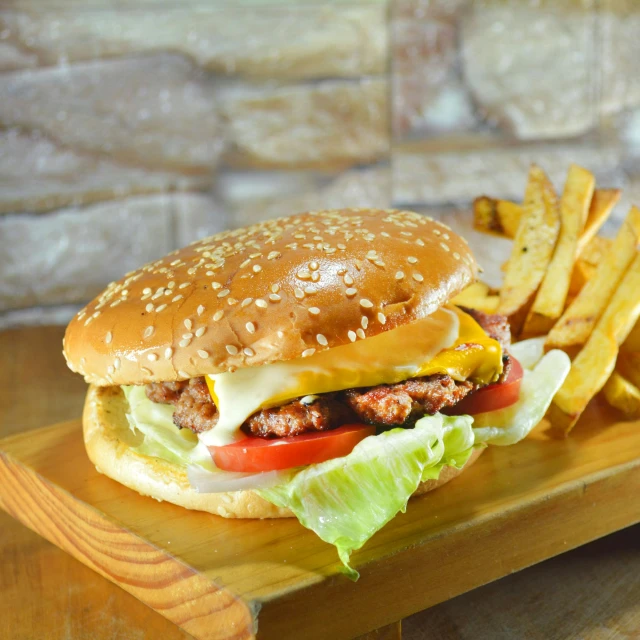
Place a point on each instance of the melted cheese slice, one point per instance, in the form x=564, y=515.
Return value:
x=448, y=341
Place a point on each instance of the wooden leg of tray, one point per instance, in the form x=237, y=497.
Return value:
x=389, y=632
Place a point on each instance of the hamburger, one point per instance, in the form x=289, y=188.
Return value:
x=312, y=366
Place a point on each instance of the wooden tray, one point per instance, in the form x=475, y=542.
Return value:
x=231, y=579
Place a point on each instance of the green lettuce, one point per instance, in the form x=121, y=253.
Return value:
x=346, y=500
x=161, y=437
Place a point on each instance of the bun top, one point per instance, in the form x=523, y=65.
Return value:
x=274, y=291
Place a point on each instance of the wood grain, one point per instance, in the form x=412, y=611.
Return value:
x=514, y=507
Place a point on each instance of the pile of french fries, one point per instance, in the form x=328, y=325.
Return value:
x=565, y=282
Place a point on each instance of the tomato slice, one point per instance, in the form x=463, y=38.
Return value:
x=253, y=455
x=494, y=396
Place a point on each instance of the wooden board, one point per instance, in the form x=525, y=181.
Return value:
x=220, y=578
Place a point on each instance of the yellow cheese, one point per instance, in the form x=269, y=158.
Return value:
x=448, y=341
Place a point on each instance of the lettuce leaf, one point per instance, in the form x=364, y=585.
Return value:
x=511, y=424
x=346, y=500
x=162, y=439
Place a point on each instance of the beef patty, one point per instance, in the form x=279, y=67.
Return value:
x=399, y=404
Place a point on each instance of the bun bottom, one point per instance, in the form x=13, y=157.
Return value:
x=109, y=442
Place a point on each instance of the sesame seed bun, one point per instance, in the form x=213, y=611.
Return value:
x=270, y=292
x=109, y=443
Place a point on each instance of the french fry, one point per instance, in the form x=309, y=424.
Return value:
x=623, y=395
x=602, y=204
x=552, y=294
x=595, y=363
x=501, y=217
x=532, y=248
x=477, y=296
x=595, y=250
x=632, y=343
x=577, y=322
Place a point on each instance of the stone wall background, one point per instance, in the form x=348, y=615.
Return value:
x=127, y=131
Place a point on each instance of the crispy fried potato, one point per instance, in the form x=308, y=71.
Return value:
x=632, y=343
x=581, y=274
x=623, y=395
x=602, y=204
x=532, y=248
x=629, y=365
x=595, y=363
x=595, y=250
x=577, y=322
x=552, y=294
x=500, y=217
x=478, y=296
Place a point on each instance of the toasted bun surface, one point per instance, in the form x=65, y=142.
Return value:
x=271, y=292
x=109, y=441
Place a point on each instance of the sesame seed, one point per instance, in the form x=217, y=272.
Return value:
x=152, y=357
x=273, y=254
x=162, y=307
x=304, y=274
x=314, y=311
x=110, y=369
x=417, y=277
x=446, y=236
x=342, y=247
x=148, y=332
x=280, y=334
x=200, y=332
x=274, y=297
x=146, y=290
x=184, y=285
x=214, y=285
x=223, y=293
x=245, y=263
x=456, y=255
x=149, y=308
x=298, y=293
x=399, y=275
x=360, y=334
x=322, y=340
x=248, y=351
x=176, y=298
x=202, y=353
x=382, y=319
x=251, y=328
x=315, y=276
x=384, y=234
x=364, y=322
x=308, y=352
x=231, y=301
x=257, y=268
x=309, y=290
x=275, y=288
x=217, y=315
x=367, y=304
x=184, y=343
x=246, y=301
x=145, y=371
x=351, y=292
x=437, y=232
x=231, y=349
x=116, y=363
x=313, y=266
x=412, y=260
x=352, y=336
x=187, y=336
x=420, y=242
x=445, y=246
x=261, y=303
x=108, y=338
x=171, y=284
x=188, y=324
x=406, y=233
x=200, y=310
x=168, y=352
x=183, y=374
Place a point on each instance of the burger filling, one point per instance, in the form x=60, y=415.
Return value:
x=385, y=405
